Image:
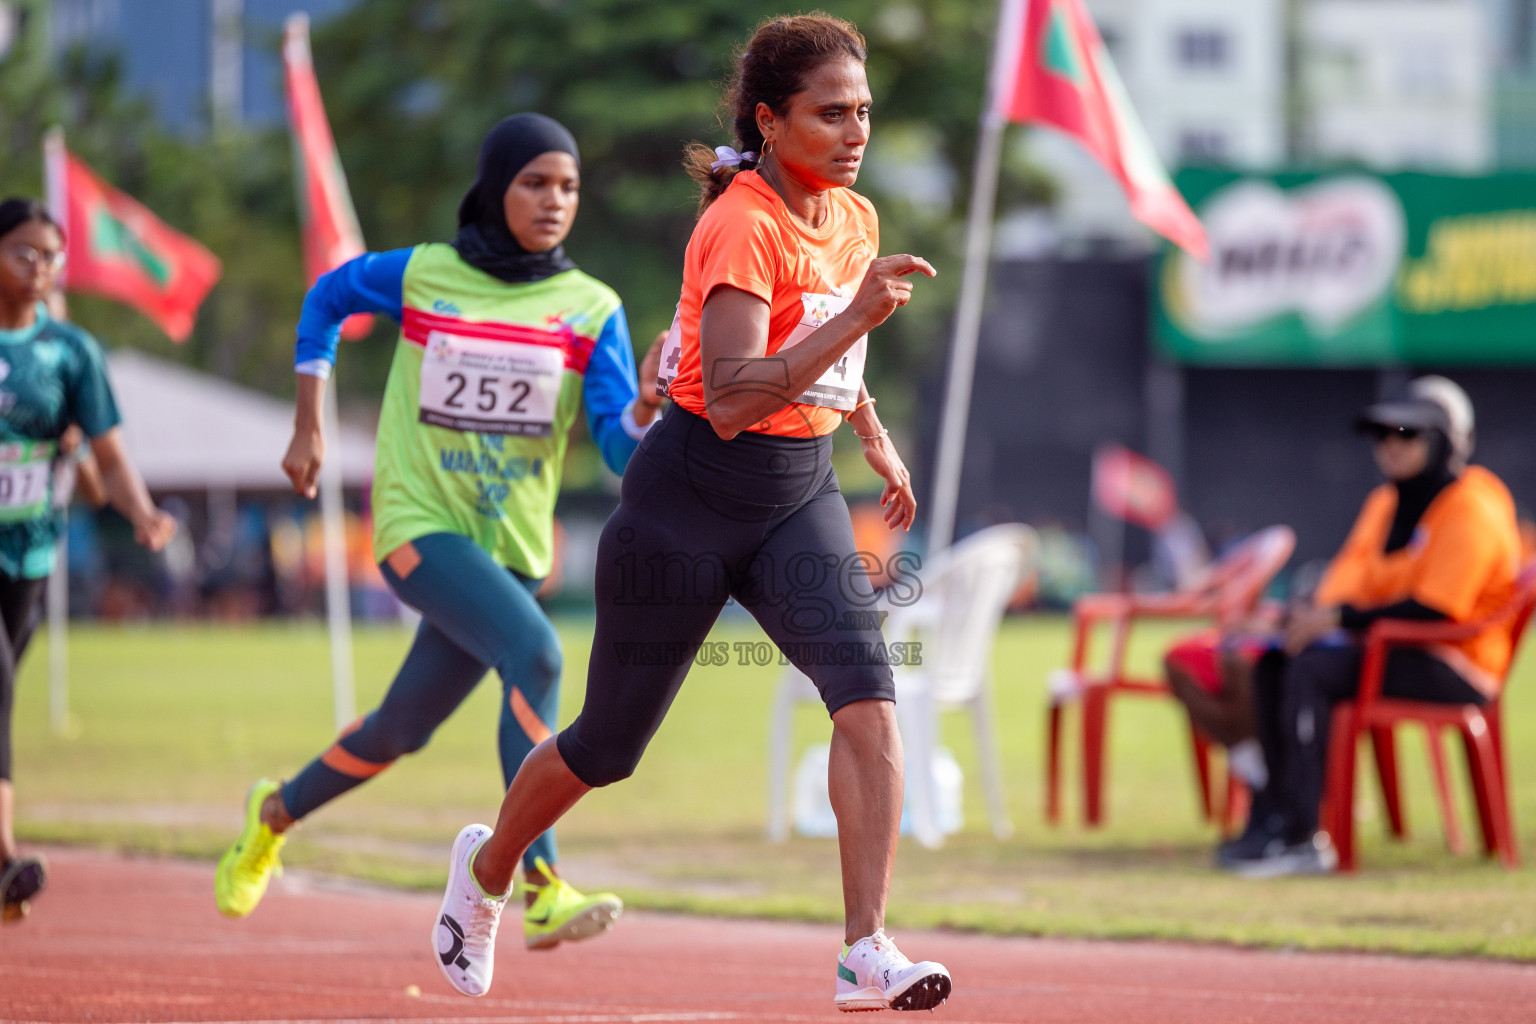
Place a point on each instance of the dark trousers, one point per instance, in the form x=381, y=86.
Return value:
x=18, y=616
x=1293, y=706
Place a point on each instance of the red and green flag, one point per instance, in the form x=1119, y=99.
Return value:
x=1055, y=70
x=117, y=248
x=1133, y=488
x=331, y=232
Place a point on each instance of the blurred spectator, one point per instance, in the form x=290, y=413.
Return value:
x=1067, y=567
x=1437, y=542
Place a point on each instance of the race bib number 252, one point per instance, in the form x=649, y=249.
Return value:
x=490, y=387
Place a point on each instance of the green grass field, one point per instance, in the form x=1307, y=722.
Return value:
x=172, y=722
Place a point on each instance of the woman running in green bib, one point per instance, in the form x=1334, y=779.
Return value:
x=501, y=342
x=51, y=377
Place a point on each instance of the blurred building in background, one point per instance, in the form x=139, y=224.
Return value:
x=1208, y=76
x=195, y=60
x=1432, y=85
x=1514, y=100
x=1396, y=84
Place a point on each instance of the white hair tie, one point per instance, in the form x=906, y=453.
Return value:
x=728, y=157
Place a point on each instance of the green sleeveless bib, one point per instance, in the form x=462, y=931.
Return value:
x=485, y=386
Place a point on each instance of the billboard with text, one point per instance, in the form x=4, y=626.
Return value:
x=1353, y=269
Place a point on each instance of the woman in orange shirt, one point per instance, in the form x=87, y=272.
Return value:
x=1437, y=542
x=733, y=495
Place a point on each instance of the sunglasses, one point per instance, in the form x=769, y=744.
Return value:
x=31, y=259
x=1379, y=432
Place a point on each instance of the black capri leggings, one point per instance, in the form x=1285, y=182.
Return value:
x=1293, y=706
x=18, y=615
x=701, y=520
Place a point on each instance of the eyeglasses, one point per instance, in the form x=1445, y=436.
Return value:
x=1379, y=432
x=53, y=262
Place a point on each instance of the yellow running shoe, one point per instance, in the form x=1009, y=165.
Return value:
x=561, y=914
x=246, y=868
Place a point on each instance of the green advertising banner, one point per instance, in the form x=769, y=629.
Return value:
x=1353, y=269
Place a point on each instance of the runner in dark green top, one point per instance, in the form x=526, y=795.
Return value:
x=51, y=376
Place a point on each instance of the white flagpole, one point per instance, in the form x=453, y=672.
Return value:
x=54, y=183
x=58, y=638
x=978, y=238
x=338, y=600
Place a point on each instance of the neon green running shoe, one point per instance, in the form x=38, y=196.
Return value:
x=561, y=914
x=246, y=868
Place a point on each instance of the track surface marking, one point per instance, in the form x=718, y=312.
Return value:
x=118, y=939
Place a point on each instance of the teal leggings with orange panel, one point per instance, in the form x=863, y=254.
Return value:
x=476, y=615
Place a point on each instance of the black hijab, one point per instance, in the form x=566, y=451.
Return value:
x=1415, y=493
x=483, y=240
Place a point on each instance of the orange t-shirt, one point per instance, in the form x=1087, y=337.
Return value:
x=1462, y=560
x=748, y=239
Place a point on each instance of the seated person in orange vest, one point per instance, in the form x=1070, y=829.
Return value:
x=1437, y=542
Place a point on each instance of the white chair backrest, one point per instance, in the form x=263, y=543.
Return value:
x=966, y=589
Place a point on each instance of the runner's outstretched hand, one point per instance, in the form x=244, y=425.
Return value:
x=886, y=286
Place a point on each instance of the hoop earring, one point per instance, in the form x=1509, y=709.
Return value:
x=767, y=149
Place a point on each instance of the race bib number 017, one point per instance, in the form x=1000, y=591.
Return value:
x=838, y=387
x=26, y=471
x=490, y=387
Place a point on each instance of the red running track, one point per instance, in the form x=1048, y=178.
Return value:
x=118, y=939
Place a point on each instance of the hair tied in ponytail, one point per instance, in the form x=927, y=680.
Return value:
x=728, y=157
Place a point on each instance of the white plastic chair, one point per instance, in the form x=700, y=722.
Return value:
x=965, y=590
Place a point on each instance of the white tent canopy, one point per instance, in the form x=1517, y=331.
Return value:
x=188, y=430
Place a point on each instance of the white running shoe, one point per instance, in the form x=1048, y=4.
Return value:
x=874, y=975
x=464, y=939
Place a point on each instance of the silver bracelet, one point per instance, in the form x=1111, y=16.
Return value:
x=872, y=437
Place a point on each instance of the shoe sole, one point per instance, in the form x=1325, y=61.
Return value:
x=1281, y=867
x=589, y=923
x=923, y=993
x=453, y=877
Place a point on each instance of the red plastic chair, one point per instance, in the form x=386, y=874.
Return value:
x=1481, y=728
x=1229, y=595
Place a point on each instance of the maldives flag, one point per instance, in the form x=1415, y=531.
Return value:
x=1133, y=488
x=331, y=233
x=1054, y=69
x=115, y=247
